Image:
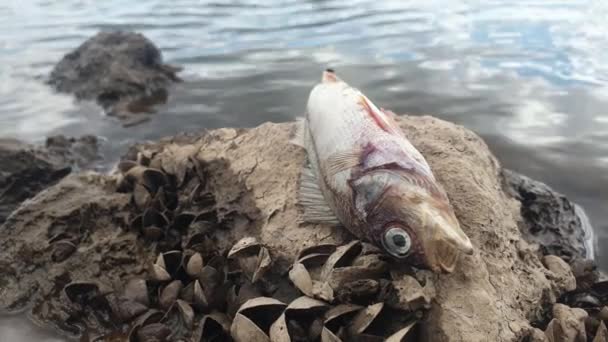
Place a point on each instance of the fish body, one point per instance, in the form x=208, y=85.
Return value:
x=364, y=174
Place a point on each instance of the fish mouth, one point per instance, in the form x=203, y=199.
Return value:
x=329, y=76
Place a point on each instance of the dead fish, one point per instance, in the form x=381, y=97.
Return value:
x=364, y=174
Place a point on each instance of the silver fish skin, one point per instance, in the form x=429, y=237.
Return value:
x=365, y=175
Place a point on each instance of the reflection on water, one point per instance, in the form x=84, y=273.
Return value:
x=530, y=76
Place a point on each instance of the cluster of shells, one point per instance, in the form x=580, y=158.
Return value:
x=200, y=287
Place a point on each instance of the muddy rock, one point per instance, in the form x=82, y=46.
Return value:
x=25, y=170
x=122, y=71
x=568, y=324
x=562, y=273
x=549, y=218
x=251, y=176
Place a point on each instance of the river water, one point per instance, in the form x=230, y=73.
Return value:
x=529, y=76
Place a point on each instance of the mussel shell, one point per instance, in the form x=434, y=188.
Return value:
x=264, y=263
x=324, y=248
x=340, y=313
x=169, y=294
x=313, y=260
x=328, y=336
x=179, y=318
x=182, y=221
x=171, y=261
x=125, y=165
x=141, y=197
x=152, y=233
x=369, y=266
x=300, y=277
x=213, y=327
x=200, y=299
x=246, y=245
x=601, y=334
x=400, y=335
x=153, y=217
x=365, y=318
x=126, y=310
x=81, y=292
x=245, y=330
x=160, y=274
x=194, y=266
x=603, y=314
x=235, y=299
x=343, y=256
x=302, y=309
x=323, y=291
x=153, y=179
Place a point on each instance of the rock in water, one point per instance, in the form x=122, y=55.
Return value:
x=251, y=176
x=122, y=71
x=550, y=219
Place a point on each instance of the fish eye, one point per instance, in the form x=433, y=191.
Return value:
x=397, y=241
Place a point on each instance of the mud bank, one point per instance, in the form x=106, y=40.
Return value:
x=69, y=253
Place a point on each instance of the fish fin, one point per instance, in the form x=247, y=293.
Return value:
x=299, y=133
x=310, y=197
x=341, y=161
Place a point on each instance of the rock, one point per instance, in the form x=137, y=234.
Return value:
x=79, y=152
x=122, y=71
x=568, y=324
x=252, y=175
x=586, y=273
x=25, y=170
x=549, y=218
x=535, y=335
x=564, y=278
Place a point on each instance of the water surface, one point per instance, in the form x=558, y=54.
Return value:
x=530, y=77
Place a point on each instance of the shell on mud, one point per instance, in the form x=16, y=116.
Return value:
x=213, y=327
x=377, y=322
x=253, y=319
x=343, y=256
x=301, y=278
x=81, y=292
x=601, y=334
x=315, y=255
x=369, y=266
x=235, y=299
x=150, y=178
x=194, y=265
x=253, y=258
x=335, y=321
x=180, y=320
x=166, y=266
x=168, y=295
x=247, y=245
x=346, y=273
x=125, y=309
x=301, y=320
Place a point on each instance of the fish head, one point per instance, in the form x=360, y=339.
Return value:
x=411, y=219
